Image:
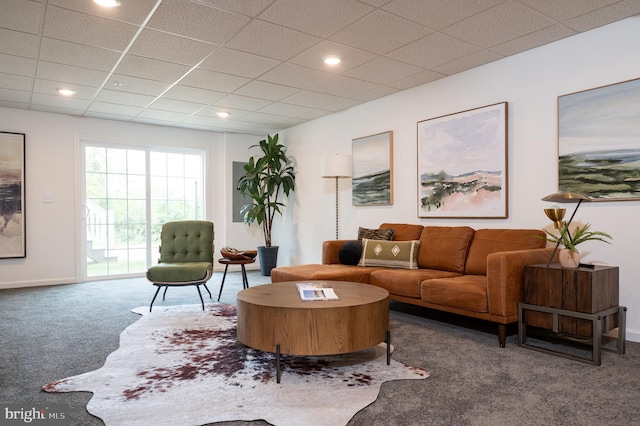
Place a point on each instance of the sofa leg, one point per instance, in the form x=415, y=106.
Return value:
x=502, y=334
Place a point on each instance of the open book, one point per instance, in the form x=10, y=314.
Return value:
x=315, y=291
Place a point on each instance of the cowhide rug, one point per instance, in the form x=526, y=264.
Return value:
x=180, y=365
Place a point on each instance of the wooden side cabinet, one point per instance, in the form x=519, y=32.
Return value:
x=577, y=304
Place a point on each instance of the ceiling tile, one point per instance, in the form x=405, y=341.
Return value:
x=383, y=70
x=319, y=18
x=198, y=21
x=242, y=102
x=133, y=12
x=566, y=9
x=433, y=50
x=137, y=66
x=532, y=40
x=14, y=98
x=440, y=13
x=499, y=24
x=21, y=15
x=417, y=79
x=57, y=109
x=264, y=90
x=131, y=84
x=212, y=80
x=64, y=52
x=157, y=114
x=17, y=65
x=193, y=94
x=211, y=111
x=342, y=104
x=124, y=98
x=604, y=16
x=122, y=111
x=342, y=86
x=351, y=57
x=280, y=108
x=380, y=32
x=244, y=7
x=72, y=104
x=263, y=38
x=170, y=48
x=295, y=76
x=15, y=82
x=69, y=74
x=19, y=44
x=377, y=92
x=311, y=99
x=177, y=106
x=49, y=87
x=238, y=63
x=77, y=27
x=474, y=60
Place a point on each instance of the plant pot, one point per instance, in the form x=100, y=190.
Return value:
x=268, y=259
x=569, y=258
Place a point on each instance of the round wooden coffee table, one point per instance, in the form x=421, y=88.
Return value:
x=272, y=318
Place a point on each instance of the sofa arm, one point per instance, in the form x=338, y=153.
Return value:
x=505, y=272
x=331, y=250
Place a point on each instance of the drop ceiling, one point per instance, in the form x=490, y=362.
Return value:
x=179, y=62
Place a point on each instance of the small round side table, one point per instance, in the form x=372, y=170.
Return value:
x=226, y=262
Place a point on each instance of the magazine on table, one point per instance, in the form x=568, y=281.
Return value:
x=316, y=291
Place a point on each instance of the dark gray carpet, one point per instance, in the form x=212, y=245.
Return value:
x=49, y=333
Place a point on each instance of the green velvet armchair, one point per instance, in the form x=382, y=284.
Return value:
x=186, y=257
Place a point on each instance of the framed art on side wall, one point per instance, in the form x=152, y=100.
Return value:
x=373, y=170
x=599, y=142
x=462, y=164
x=12, y=225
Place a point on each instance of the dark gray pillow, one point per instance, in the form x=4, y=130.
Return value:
x=350, y=253
x=375, y=234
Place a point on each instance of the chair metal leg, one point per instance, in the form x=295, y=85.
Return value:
x=245, y=281
x=223, y=278
x=154, y=297
x=200, y=294
x=166, y=287
x=207, y=288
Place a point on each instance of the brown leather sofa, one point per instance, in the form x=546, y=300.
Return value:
x=476, y=273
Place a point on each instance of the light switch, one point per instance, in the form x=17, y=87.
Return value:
x=48, y=198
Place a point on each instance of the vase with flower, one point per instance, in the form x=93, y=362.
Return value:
x=569, y=256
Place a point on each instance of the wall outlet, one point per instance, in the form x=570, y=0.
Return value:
x=48, y=198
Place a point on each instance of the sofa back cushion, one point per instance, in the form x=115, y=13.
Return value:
x=444, y=247
x=487, y=241
x=404, y=231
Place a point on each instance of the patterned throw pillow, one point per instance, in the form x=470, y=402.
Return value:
x=390, y=254
x=350, y=253
x=375, y=234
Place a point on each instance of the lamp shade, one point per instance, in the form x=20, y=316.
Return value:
x=336, y=166
x=566, y=197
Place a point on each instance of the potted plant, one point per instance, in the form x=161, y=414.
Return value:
x=569, y=257
x=267, y=178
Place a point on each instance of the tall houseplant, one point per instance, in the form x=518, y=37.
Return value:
x=266, y=179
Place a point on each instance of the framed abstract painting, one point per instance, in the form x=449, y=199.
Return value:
x=599, y=142
x=462, y=164
x=12, y=224
x=373, y=170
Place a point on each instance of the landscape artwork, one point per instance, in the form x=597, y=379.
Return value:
x=599, y=142
x=12, y=230
x=373, y=170
x=462, y=164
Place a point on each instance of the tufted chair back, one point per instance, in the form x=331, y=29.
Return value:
x=186, y=241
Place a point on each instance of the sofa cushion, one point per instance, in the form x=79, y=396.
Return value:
x=390, y=254
x=466, y=292
x=487, y=241
x=375, y=234
x=335, y=272
x=405, y=282
x=444, y=247
x=404, y=231
x=350, y=253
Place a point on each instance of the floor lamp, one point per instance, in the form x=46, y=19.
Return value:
x=557, y=214
x=337, y=166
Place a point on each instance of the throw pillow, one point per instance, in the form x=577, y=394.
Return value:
x=390, y=254
x=350, y=253
x=375, y=234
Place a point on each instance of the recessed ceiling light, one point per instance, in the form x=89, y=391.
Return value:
x=107, y=3
x=332, y=60
x=66, y=92
x=222, y=114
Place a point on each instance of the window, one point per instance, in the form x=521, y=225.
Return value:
x=129, y=193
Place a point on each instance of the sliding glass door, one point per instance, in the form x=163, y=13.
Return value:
x=129, y=193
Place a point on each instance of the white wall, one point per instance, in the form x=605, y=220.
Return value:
x=531, y=83
x=52, y=142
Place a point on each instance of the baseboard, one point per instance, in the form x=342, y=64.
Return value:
x=38, y=283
